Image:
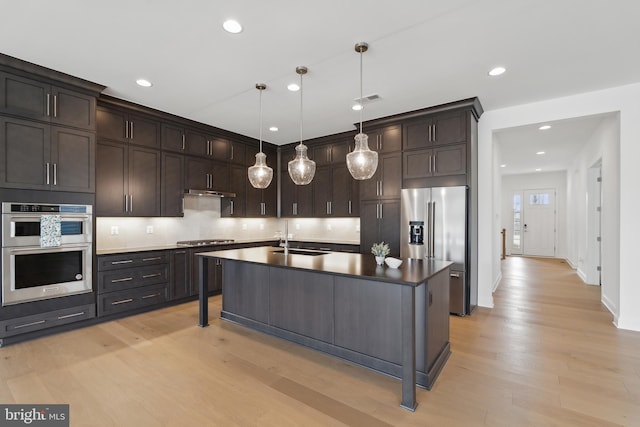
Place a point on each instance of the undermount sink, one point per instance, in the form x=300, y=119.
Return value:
x=301, y=252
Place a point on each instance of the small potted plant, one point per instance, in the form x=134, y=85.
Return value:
x=380, y=250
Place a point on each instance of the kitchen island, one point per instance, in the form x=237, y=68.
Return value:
x=395, y=321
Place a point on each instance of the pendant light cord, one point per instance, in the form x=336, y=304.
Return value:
x=361, y=106
x=261, y=120
x=300, y=108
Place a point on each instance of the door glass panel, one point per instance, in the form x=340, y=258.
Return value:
x=516, y=244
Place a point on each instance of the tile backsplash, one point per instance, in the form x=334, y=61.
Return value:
x=202, y=221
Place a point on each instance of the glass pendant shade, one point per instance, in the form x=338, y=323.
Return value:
x=260, y=175
x=362, y=162
x=302, y=169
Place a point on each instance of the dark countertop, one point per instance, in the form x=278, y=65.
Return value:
x=411, y=272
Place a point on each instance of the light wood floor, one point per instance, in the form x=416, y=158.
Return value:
x=546, y=355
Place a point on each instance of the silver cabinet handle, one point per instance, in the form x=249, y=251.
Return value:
x=126, y=203
x=151, y=295
x=155, y=258
x=149, y=276
x=128, y=261
x=435, y=137
x=126, y=129
x=183, y=141
x=231, y=207
x=124, y=301
x=430, y=162
x=71, y=315
x=350, y=207
x=55, y=105
x=47, y=172
x=429, y=127
x=182, y=211
x=131, y=124
x=455, y=275
x=294, y=208
x=48, y=105
x=381, y=211
x=328, y=208
x=231, y=151
x=381, y=188
x=55, y=174
x=434, y=164
x=24, y=325
x=126, y=279
x=131, y=203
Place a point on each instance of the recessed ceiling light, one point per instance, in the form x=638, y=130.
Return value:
x=540, y=152
x=544, y=127
x=293, y=87
x=144, y=83
x=497, y=71
x=503, y=166
x=356, y=107
x=232, y=26
x=273, y=128
x=538, y=170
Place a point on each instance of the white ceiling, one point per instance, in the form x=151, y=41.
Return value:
x=422, y=53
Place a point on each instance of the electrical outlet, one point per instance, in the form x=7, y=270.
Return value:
x=115, y=230
x=149, y=229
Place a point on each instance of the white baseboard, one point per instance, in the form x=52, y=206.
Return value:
x=571, y=264
x=611, y=307
x=581, y=274
x=497, y=282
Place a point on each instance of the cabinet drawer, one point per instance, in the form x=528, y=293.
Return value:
x=22, y=325
x=139, y=259
x=128, y=278
x=119, y=302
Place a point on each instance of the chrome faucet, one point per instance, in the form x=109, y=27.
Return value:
x=285, y=245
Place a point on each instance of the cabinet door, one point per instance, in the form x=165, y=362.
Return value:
x=322, y=191
x=26, y=153
x=197, y=143
x=339, y=151
x=370, y=188
x=238, y=180
x=390, y=166
x=417, y=164
x=321, y=154
x=390, y=225
x=180, y=285
x=73, y=159
x=287, y=195
x=390, y=139
x=341, y=197
x=73, y=109
x=219, y=176
x=449, y=128
x=111, y=124
x=111, y=178
x=144, y=181
x=24, y=97
x=220, y=148
x=171, y=199
x=196, y=171
x=172, y=138
x=369, y=225
x=450, y=160
x=417, y=134
x=239, y=153
x=144, y=131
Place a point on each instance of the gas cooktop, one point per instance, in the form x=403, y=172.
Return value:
x=204, y=242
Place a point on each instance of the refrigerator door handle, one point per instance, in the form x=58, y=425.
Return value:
x=433, y=229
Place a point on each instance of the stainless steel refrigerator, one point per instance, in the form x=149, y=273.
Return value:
x=435, y=225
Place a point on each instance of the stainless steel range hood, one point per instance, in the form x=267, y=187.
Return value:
x=209, y=193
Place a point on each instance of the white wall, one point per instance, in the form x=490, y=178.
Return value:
x=603, y=145
x=626, y=101
x=530, y=181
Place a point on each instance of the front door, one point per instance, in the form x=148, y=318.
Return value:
x=539, y=223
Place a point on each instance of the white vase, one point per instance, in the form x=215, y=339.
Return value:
x=379, y=260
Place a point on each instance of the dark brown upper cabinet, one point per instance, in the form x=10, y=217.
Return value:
x=173, y=138
x=385, y=140
x=43, y=157
x=28, y=98
x=438, y=129
x=124, y=126
x=204, y=145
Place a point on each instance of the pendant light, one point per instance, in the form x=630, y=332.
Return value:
x=260, y=175
x=362, y=162
x=301, y=169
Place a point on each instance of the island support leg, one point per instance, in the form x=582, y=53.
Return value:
x=408, y=308
x=203, y=291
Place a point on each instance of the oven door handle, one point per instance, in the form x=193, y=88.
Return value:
x=64, y=247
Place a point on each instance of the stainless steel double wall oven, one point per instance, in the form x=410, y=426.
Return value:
x=38, y=263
